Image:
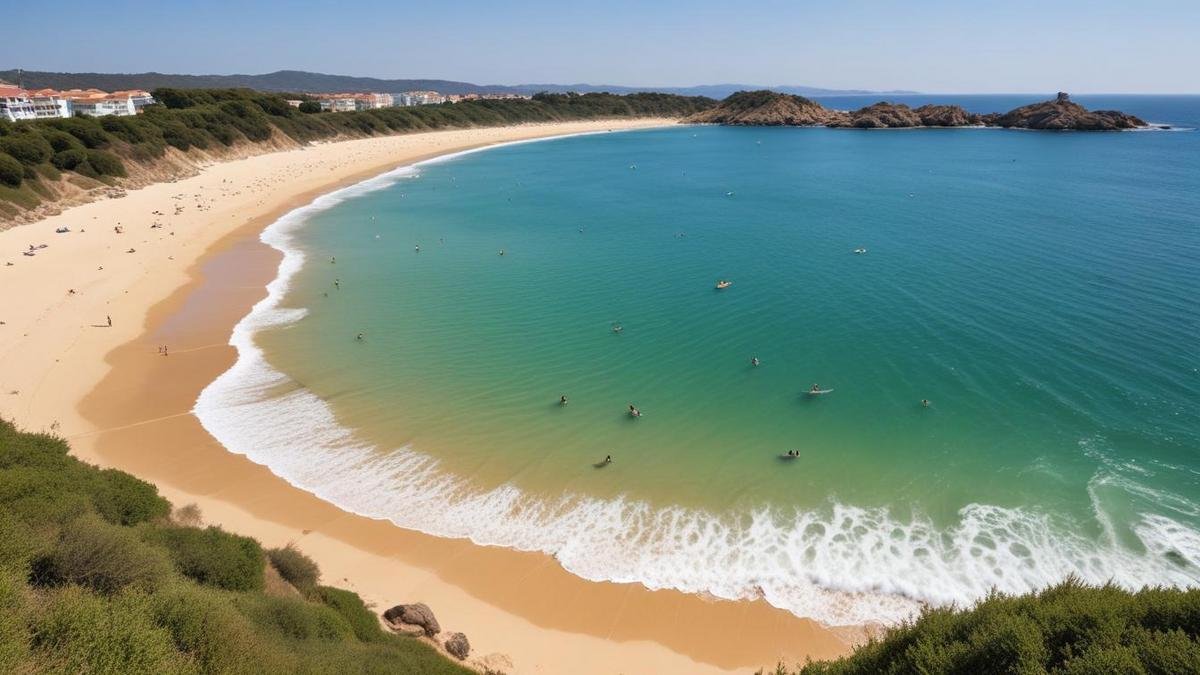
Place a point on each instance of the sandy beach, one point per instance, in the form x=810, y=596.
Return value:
x=185, y=268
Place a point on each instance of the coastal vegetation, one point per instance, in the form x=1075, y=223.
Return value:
x=98, y=575
x=43, y=161
x=1070, y=628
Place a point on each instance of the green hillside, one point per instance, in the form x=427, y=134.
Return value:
x=98, y=576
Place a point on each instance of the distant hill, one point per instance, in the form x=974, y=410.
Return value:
x=717, y=91
x=301, y=81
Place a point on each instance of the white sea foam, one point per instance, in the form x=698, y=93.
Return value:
x=841, y=564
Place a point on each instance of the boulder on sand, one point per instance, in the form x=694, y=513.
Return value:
x=417, y=614
x=458, y=645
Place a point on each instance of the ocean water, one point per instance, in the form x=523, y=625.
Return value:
x=1039, y=289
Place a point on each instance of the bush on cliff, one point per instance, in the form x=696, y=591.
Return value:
x=11, y=171
x=298, y=569
x=87, y=585
x=105, y=558
x=214, y=557
x=1068, y=628
x=105, y=163
x=28, y=149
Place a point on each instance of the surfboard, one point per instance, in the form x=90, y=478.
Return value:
x=819, y=392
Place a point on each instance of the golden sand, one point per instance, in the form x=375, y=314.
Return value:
x=184, y=285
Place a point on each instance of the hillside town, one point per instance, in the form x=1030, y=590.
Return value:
x=17, y=103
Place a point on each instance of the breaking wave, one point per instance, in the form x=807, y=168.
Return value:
x=839, y=565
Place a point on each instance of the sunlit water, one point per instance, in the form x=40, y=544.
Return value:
x=1039, y=289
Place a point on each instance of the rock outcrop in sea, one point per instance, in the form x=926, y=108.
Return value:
x=1062, y=113
x=768, y=108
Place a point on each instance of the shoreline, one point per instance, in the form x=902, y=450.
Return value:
x=134, y=413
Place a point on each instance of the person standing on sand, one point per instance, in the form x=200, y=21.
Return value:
x=109, y=320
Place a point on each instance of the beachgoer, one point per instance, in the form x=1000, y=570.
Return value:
x=360, y=337
x=754, y=361
x=815, y=388
x=109, y=320
x=562, y=400
x=924, y=403
x=608, y=459
x=337, y=283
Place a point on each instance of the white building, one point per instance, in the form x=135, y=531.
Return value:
x=351, y=102
x=19, y=104
x=419, y=98
x=50, y=103
x=338, y=103
x=15, y=103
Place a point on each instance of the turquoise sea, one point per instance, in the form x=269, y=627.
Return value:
x=1038, y=289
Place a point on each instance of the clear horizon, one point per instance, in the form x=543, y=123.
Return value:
x=935, y=47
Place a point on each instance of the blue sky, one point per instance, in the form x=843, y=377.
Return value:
x=1080, y=46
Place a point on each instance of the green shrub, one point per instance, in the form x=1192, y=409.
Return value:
x=28, y=149
x=1068, y=628
x=11, y=171
x=14, y=636
x=298, y=569
x=309, y=107
x=214, y=557
x=351, y=607
x=20, y=544
x=126, y=500
x=86, y=129
x=68, y=160
x=105, y=163
x=60, y=140
x=103, y=557
x=80, y=632
x=206, y=626
x=295, y=619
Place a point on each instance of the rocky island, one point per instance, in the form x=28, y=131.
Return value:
x=768, y=108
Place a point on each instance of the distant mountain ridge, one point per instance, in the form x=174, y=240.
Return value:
x=302, y=81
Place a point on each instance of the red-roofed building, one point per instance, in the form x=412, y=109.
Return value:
x=15, y=103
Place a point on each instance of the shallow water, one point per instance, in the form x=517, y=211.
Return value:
x=1038, y=288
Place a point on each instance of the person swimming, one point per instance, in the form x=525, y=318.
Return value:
x=562, y=400
x=360, y=337
x=608, y=459
x=754, y=361
x=633, y=411
x=617, y=328
x=924, y=403
x=816, y=388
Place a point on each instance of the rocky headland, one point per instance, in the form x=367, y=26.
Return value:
x=767, y=108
